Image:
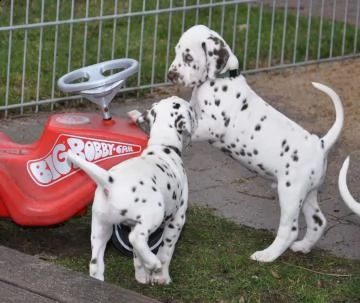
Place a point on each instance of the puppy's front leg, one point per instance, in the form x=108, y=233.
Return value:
x=100, y=235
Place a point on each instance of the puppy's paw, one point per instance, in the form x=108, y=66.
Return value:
x=300, y=246
x=142, y=275
x=134, y=115
x=160, y=278
x=262, y=256
x=94, y=271
x=153, y=266
x=97, y=276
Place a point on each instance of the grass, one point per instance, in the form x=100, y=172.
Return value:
x=52, y=51
x=211, y=264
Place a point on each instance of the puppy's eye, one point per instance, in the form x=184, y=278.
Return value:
x=188, y=58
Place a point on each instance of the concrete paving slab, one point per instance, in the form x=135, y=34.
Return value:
x=24, y=278
x=13, y=294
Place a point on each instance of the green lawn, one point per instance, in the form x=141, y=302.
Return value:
x=64, y=47
x=211, y=264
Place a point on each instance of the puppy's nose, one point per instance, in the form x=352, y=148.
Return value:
x=173, y=76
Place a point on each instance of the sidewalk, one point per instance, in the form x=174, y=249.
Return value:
x=24, y=278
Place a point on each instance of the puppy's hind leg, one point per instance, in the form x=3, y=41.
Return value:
x=100, y=235
x=289, y=198
x=142, y=275
x=315, y=221
x=171, y=235
x=138, y=238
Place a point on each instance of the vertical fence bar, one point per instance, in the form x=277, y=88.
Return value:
x=197, y=12
x=85, y=33
x=141, y=43
x=113, y=43
x=356, y=25
x=56, y=38
x=272, y=32
x=345, y=27
x=100, y=32
x=247, y=36
x=235, y=28
x=24, y=57
x=128, y=30
x=258, y=45
x=183, y=17
x=296, y=30
x=308, y=31
x=222, y=19
x=70, y=36
x=283, y=42
x=155, y=45
x=332, y=28
x=168, y=41
x=320, y=29
x=40, y=55
x=8, y=68
x=210, y=13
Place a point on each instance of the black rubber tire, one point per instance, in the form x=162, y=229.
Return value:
x=120, y=239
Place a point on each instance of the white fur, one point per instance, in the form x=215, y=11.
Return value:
x=232, y=117
x=144, y=192
x=344, y=190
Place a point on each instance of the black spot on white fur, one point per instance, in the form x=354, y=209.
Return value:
x=166, y=150
x=317, y=220
x=245, y=105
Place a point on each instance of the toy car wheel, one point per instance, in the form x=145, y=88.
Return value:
x=120, y=239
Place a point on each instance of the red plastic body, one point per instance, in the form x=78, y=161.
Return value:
x=38, y=187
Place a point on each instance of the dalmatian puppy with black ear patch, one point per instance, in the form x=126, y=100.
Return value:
x=344, y=190
x=144, y=192
x=232, y=117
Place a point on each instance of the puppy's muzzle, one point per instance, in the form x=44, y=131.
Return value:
x=173, y=76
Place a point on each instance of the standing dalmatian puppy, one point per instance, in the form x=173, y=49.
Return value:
x=232, y=117
x=344, y=190
x=144, y=193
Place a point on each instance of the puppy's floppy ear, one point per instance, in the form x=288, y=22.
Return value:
x=184, y=124
x=184, y=121
x=219, y=57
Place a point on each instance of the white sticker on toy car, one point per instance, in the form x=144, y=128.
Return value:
x=53, y=167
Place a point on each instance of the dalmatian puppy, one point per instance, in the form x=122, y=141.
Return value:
x=344, y=190
x=232, y=117
x=144, y=192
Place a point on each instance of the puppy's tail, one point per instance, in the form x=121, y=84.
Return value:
x=344, y=191
x=330, y=138
x=95, y=172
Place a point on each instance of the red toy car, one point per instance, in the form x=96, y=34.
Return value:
x=37, y=185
